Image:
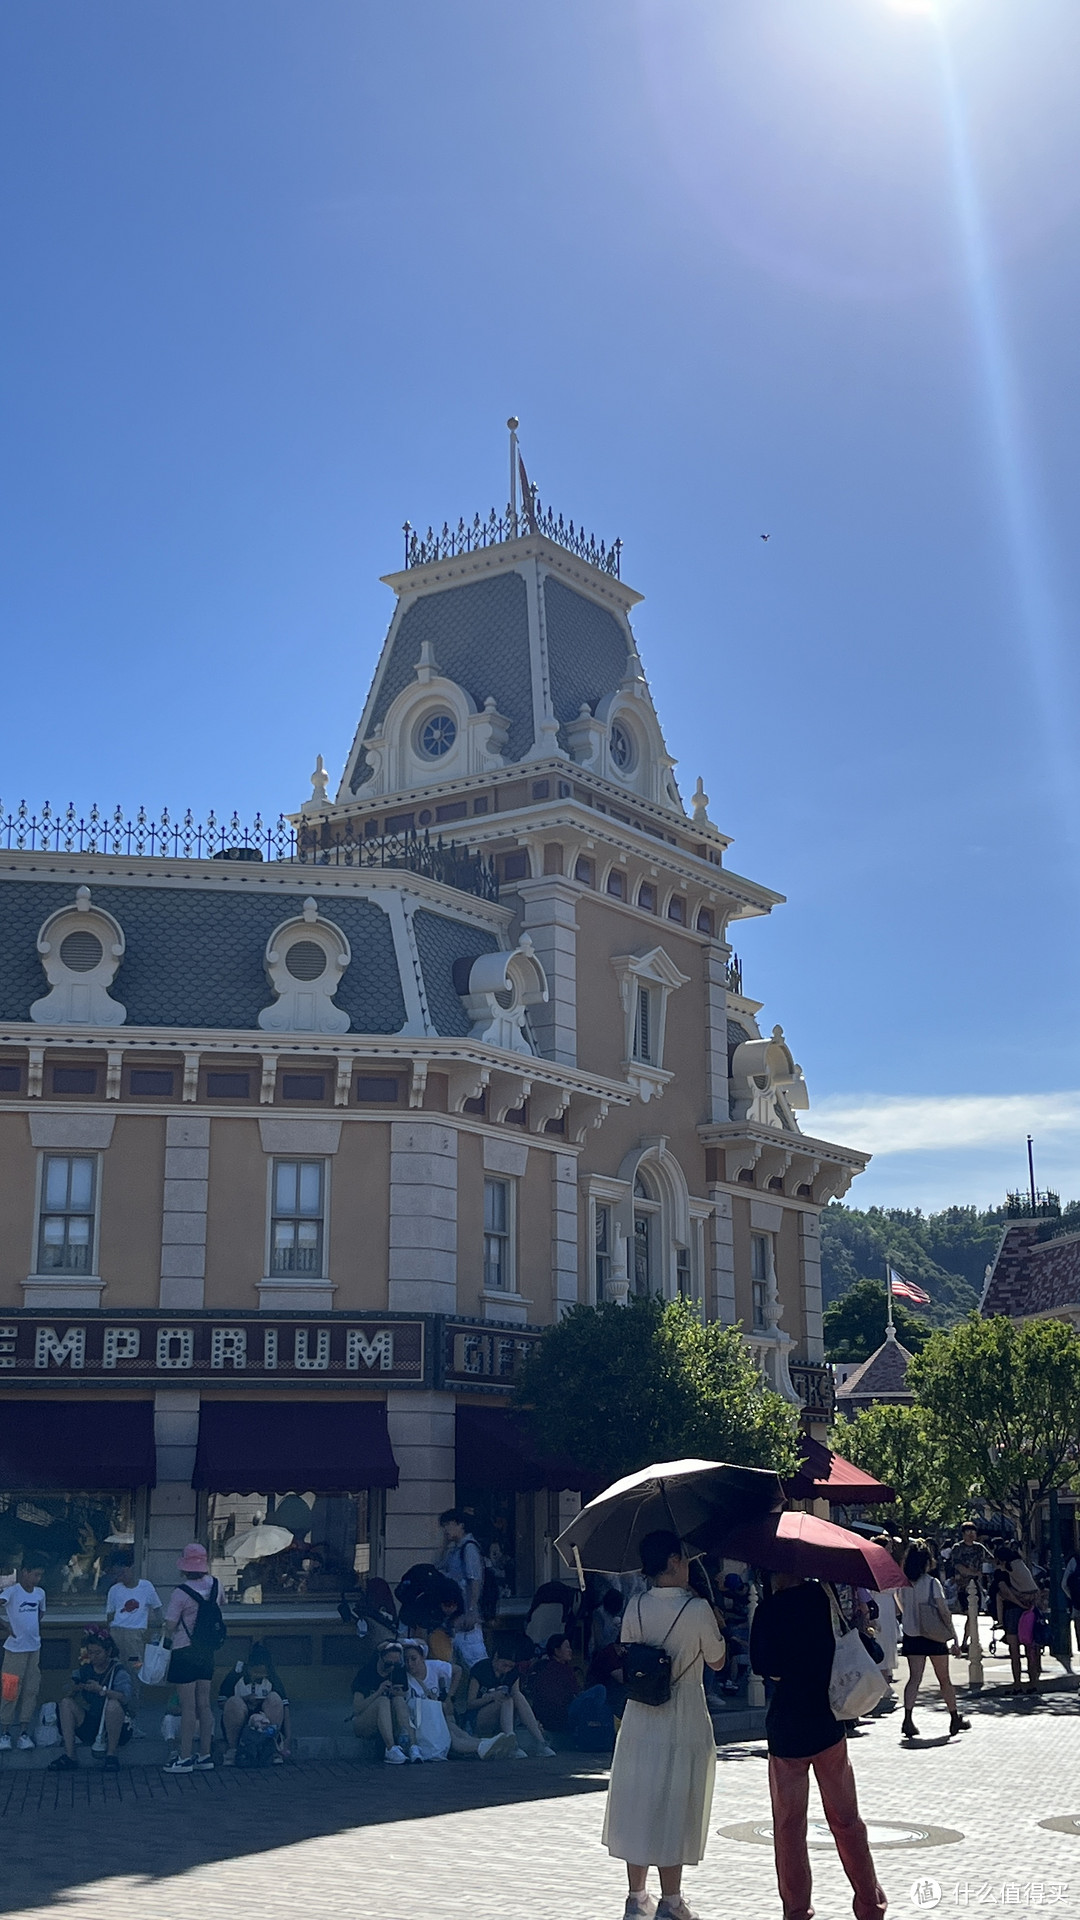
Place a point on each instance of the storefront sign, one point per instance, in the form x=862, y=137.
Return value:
x=208, y=1350
x=475, y=1354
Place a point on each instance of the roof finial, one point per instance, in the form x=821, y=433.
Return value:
x=512, y=423
x=319, y=801
x=700, y=803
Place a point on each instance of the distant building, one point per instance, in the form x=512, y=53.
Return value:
x=1036, y=1274
x=881, y=1378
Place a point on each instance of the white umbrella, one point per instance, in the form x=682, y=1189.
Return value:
x=259, y=1544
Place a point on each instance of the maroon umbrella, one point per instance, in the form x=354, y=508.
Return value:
x=819, y=1550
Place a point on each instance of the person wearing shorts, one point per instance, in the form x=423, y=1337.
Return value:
x=191, y=1668
x=101, y=1691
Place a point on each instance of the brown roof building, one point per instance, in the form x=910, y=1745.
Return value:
x=1036, y=1273
x=882, y=1377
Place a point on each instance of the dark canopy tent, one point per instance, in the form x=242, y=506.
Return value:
x=51, y=1446
x=266, y=1446
x=495, y=1451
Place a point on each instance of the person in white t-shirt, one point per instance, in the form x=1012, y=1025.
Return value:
x=24, y=1603
x=132, y=1608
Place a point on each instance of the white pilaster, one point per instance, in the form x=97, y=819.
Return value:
x=810, y=1284
x=183, y=1220
x=722, y=1248
x=550, y=919
x=423, y=1217
x=716, y=1054
x=421, y=1427
x=564, y=1224
x=173, y=1501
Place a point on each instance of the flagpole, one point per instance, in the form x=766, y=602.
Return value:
x=513, y=426
x=890, y=1330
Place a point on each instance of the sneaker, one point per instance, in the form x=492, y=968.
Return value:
x=110, y=1764
x=639, y=1906
x=25, y=1744
x=674, y=1910
x=179, y=1766
x=5, y=1743
x=415, y=1754
x=519, y=1753
x=204, y=1763
x=278, y=1760
x=62, y=1764
x=228, y=1758
x=497, y=1746
x=545, y=1753
x=395, y=1758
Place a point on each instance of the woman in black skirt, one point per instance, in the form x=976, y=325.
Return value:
x=929, y=1634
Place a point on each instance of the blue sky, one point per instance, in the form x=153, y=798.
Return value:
x=275, y=274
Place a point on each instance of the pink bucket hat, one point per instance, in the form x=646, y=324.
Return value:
x=193, y=1559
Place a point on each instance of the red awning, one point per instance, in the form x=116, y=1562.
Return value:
x=825, y=1475
x=303, y=1446
x=70, y=1446
x=494, y=1451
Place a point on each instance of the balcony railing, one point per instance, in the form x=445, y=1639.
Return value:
x=1044, y=1206
x=323, y=843
x=733, y=974
x=513, y=524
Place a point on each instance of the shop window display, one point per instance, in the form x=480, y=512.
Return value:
x=74, y=1536
x=288, y=1547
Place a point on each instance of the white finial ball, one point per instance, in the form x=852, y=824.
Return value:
x=513, y=423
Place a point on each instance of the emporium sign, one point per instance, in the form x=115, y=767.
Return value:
x=386, y=1352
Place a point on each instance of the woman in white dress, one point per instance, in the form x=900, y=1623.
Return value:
x=662, y=1774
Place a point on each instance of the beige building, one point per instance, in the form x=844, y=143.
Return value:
x=304, y=1134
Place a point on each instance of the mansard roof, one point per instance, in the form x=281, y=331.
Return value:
x=194, y=955
x=538, y=632
x=1037, y=1270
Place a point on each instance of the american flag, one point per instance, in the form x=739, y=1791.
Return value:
x=902, y=1289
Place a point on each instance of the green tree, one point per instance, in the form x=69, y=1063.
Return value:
x=855, y=1324
x=617, y=1387
x=1007, y=1400
x=906, y=1448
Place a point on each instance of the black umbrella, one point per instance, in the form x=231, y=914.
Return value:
x=697, y=1499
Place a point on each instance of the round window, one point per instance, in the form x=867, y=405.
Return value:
x=306, y=960
x=437, y=735
x=81, y=951
x=621, y=747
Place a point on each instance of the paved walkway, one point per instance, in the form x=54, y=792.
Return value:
x=504, y=1839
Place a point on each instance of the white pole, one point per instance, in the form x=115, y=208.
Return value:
x=890, y=1330
x=512, y=423
x=975, y=1670
x=755, y=1691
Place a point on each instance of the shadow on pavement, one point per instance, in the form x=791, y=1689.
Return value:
x=71, y=1830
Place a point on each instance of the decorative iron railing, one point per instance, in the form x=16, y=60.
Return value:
x=322, y=843
x=512, y=524
x=1019, y=1206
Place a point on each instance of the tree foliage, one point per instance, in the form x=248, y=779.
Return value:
x=618, y=1387
x=945, y=1253
x=855, y=1324
x=907, y=1449
x=1006, y=1400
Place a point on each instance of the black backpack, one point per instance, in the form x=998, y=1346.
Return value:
x=210, y=1631
x=647, y=1670
x=256, y=1747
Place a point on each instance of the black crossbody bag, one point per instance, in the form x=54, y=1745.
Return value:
x=647, y=1670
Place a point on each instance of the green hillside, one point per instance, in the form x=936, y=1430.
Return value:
x=946, y=1253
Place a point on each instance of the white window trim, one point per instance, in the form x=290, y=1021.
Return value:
x=603, y=1192
x=72, y=1290
x=658, y=972
x=511, y=1292
x=296, y=1281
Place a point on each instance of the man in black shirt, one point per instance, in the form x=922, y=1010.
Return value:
x=791, y=1643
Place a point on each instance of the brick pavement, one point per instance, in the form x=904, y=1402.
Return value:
x=505, y=1839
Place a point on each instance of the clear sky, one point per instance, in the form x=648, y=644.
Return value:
x=276, y=271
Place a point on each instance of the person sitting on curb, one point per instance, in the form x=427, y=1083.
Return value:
x=381, y=1702
x=555, y=1684
x=101, y=1690
x=252, y=1687
x=435, y=1733
x=497, y=1703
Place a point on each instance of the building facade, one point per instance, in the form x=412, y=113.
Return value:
x=305, y=1134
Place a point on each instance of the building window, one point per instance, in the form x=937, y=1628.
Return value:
x=71, y=1534
x=705, y=922
x=516, y=866
x=621, y=747
x=296, y=1226
x=329, y=1544
x=10, y=1078
x=377, y=1087
x=498, y=1249
x=74, y=1080
x=642, y=1252
x=616, y=884
x=584, y=871
x=602, y=1239
x=66, y=1236
x=683, y=1282
x=303, y=1086
x=151, y=1080
x=760, y=1277
x=647, y=896
x=437, y=735
x=643, y=1026
x=228, y=1086
x=677, y=909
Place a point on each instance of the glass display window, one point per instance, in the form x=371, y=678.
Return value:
x=288, y=1547
x=74, y=1536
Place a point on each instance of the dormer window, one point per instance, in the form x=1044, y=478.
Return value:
x=646, y=983
x=304, y=960
x=81, y=948
x=437, y=735
x=643, y=1027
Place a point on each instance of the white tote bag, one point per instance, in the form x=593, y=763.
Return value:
x=154, y=1670
x=857, y=1683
